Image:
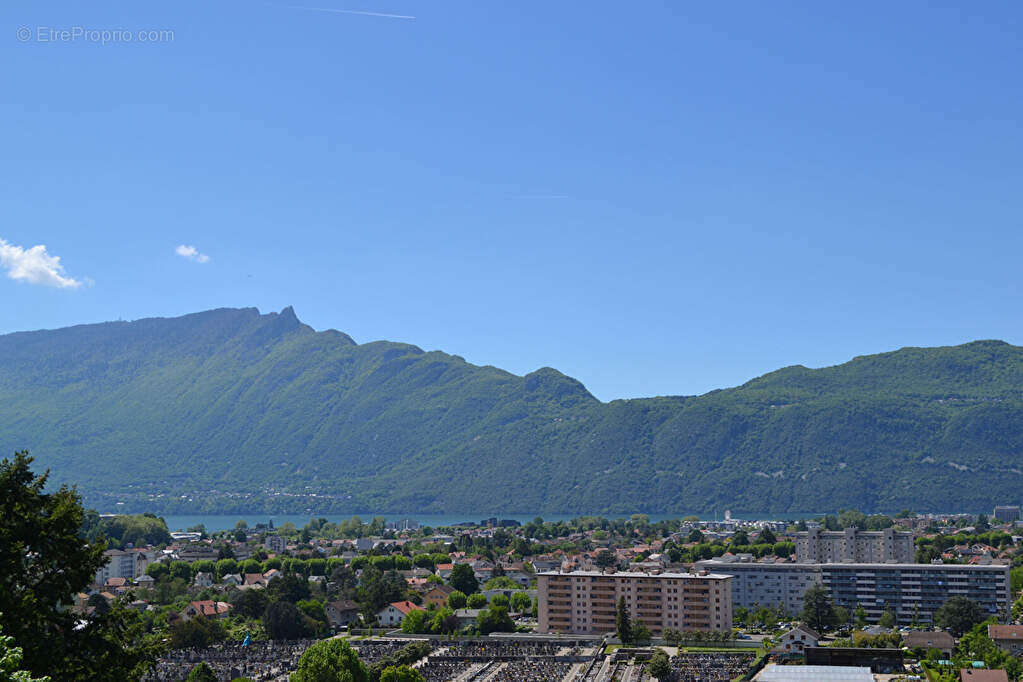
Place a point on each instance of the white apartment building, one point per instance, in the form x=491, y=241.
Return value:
x=914, y=592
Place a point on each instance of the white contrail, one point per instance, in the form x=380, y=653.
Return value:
x=361, y=12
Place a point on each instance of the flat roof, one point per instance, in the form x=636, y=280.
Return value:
x=930, y=567
x=636, y=574
x=814, y=673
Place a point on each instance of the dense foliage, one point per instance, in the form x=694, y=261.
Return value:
x=122, y=530
x=44, y=563
x=257, y=402
x=331, y=660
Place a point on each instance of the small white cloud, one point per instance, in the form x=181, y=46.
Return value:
x=192, y=253
x=35, y=266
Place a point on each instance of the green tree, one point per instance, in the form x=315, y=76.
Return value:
x=784, y=549
x=416, y=622
x=226, y=567
x=887, y=619
x=476, y=601
x=290, y=588
x=315, y=612
x=659, y=667
x=672, y=636
x=767, y=537
x=10, y=661
x=958, y=614
x=463, y=579
x=401, y=673
x=818, y=611
x=623, y=626
x=879, y=522
x=203, y=565
x=180, y=570
x=99, y=604
x=520, y=602
x=197, y=632
x=158, y=571
x=861, y=616
x=283, y=620
x=501, y=583
x=977, y=646
x=377, y=589
x=841, y=615
x=444, y=622
x=852, y=518
x=250, y=603
x=330, y=660
x=495, y=619
x=250, y=566
x=456, y=600
x=605, y=559
x=202, y=673
x=43, y=555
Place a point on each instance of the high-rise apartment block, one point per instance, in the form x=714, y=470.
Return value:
x=853, y=546
x=586, y=602
x=913, y=592
x=1007, y=513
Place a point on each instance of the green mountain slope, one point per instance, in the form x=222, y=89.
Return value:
x=230, y=410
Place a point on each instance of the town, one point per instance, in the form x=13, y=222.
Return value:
x=903, y=597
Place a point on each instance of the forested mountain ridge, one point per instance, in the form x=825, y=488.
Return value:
x=226, y=405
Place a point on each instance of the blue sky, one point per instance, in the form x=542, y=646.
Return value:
x=655, y=198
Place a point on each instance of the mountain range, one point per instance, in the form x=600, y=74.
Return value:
x=231, y=410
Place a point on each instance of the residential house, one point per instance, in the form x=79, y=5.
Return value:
x=254, y=579
x=342, y=613
x=467, y=617
x=797, y=639
x=418, y=584
x=490, y=594
x=207, y=609
x=444, y=570
x=438, y=595
x=1007, y=637
x=926, y=639
x=203, y=579
x=521, y=577
x=232, y=579
x=982, y=675
x=540, y=565
x=394, y=613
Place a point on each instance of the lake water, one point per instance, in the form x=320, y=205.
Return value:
x=215, y=522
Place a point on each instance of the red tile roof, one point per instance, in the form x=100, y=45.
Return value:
x=406, y=607
x=1005, y=632
x=210, y=608
x=971, y=675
